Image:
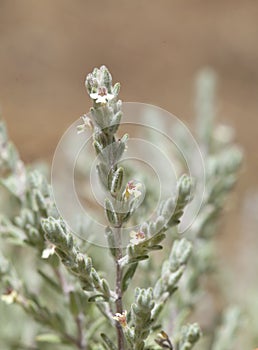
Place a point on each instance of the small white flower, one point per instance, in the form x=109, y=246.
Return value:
x=87, y=124
x=10, y=297
x=121, y=318
x=132, y=190
x=102, y=96
x=47, y=252
x=137, y=237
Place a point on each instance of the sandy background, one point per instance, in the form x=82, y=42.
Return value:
x=154, y=48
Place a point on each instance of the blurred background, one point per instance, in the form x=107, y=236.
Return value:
x=155, y=49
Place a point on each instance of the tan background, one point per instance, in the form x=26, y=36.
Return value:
x=154, y=48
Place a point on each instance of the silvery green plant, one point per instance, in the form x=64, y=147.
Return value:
x=222, y=162
x=75, y=303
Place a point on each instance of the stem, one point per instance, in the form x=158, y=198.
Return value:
x=119, y=276
x=65, y=286
x=81, y=342
x=70, y=339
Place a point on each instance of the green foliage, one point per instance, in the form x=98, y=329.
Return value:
x=190, y=335
x=231, y=321
x=141, y=317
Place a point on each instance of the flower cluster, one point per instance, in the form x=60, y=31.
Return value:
x=99, y=86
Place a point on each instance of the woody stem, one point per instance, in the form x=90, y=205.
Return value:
x=119, y=293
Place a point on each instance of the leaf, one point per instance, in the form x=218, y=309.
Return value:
x=95, y=298
x=138, y=258
x=12, y=185
x=115, y=150
x=117, y=181
x=110, y=212
x=11, y=232
x=155, y=247
x=103, y=171
x=108, y=342
x=74, y=303
x=157, y=238
x=50, y=281
x=48, y=338
x=115, y=123
x=128, y=276
x=111, y=241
